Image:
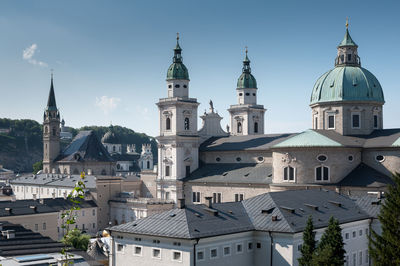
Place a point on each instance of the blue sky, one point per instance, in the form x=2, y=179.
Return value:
x=110, y=57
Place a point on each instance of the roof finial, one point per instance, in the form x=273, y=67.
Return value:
x=347, y=22
x=51, y=70
x=177, y=36
x=246, y=49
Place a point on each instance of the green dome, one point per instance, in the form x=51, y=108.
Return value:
x=246, y=81
x=347, y=83
x=177, y=71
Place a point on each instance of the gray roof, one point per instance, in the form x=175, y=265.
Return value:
x=232, y=173
x=85, y=147
x=370, y=204
x=248, y=142
x=283, y=203
x=197, y=221
x=55, y=180
x=365, y=176
x=24, y=207
x=193, y=221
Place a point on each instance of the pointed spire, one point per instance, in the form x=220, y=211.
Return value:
x=246, y=63
x=51, y=102
x=347, y=40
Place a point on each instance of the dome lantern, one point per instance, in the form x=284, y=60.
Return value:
x=246, y=79
x=177, y=70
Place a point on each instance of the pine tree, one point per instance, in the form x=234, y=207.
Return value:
x=384, y=249
x=308, y=246
x=330, y=250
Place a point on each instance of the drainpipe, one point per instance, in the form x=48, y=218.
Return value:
x=271, y=248
x=194, y=251
x=369, y=234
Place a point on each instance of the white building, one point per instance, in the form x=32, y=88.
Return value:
x=264, y=230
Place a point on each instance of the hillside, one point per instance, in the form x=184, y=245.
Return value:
x=21, y=142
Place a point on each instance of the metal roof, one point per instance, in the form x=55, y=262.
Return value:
x=347, y=40
x=365, y=176
x=309, y=138
x=55, y=180
x=232, y=173
x=371, y=204
x=290, y=208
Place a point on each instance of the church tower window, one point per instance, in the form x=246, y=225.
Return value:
x=255, y=127
x=355, y=120
x=148, y=164
x=187, y=170
x=168, y=123
x=54, y=131
x=239, y=127
x=186, y=124
x=167, y=170
x=331, y=122
x=375, y=121
x=322, y=173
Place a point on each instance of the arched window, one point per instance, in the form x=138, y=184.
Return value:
x=167, y=170
x=239, y=127
x=288, y=173
x=148, y=164
x=186, y=123
x=322, y=173
x=255, y=127
x=168, y=123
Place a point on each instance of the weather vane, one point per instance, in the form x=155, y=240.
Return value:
x=246, y=49
x=177, y=35
x=347, y=22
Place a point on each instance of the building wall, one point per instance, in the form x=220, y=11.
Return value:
x=86, y=220
x=31, y=191
x=149, y=186
x=43, y=223
x=304, y=161
x=231, y=156
x=389, y=165
x=227, y=191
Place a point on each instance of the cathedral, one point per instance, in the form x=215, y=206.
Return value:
x=346, y=150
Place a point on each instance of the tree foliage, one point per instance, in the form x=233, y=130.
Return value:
x=37, y=167
x=330, y=250
x=77, y=239
x=308, y=247
x=384, y=249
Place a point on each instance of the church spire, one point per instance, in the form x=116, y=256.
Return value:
x=246, y=63
x=51, y=102
x=177, y=51
x=177, y=70
x=347, y=50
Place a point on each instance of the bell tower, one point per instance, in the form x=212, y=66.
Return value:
x=51, y=132
x=247, y=117
x=178, y=139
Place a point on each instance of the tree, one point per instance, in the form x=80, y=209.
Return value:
x=308, y=247
x=384, y=249
x=76, y=239
x=37, y=167
x=330, y=250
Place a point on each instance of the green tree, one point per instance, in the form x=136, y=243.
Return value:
x=330, y=250
x=37, y=167
x=384, y=249
x=77, y=239
x=308, y=247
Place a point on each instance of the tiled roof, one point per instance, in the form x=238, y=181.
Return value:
x=289, y=207
x=85, y=147
x=232, y=173
x=365, y=176
x=248, y=142
x=26, y=242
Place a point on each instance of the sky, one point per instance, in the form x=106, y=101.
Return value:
x=110, y=58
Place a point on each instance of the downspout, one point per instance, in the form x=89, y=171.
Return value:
x=194, y=252
x=369, y=234
x=271, y=248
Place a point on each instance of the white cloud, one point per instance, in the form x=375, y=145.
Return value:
x=107, y=104
x=28, y=53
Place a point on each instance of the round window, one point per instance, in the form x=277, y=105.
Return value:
x=254, y=94
x=260, y=159
x=240, y=94
x=350, y=158
x=177, y=86
x=380, y=158
x=218, y=159
x=322, y=158
x=247, y=94
x=238, y=159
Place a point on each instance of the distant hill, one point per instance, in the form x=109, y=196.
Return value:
x=21, y=143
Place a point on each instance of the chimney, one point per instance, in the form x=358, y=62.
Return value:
x=8, y=209
x=34, y=208
x=10, y=234
x=34, y=196
x=180, y=204
x=379, y=195
x=209, y=202
x=41, y=201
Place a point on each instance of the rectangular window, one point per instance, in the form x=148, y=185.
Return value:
x=326, y=173
x=346, y=262
x=156, y=254
x=167, y=170
x=299, y=247
x=316, y=123
x=360, y=258
x=250, y=246
x=238, y=197
x=366, y=231
x=331, y=122
x=120, y=248
x=36, y=227
x=44, y=226
x=347, y=236
x=217, y=197
x=94, y=212
x=366, y=256
x=239, y=248
x=291, y=173
x=375, y=121
x=200, y=255
x=177, y=256
x=360, y=233
x=354, y=259
x=94, y=225
x=187, y=170
x=258, y=244
x=213, y=253
x=354, y=234
x=348, y=57
x=137, y=250
x=319, y=173
x=355, y=118
x=227, y=251
x=196, y=197
x=83, y=213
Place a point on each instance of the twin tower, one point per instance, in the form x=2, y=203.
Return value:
x=179, y=138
